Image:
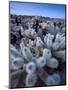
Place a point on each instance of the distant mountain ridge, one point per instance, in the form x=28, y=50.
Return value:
x=40, y=17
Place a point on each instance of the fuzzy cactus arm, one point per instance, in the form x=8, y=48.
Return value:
x=31, y=67
x=30, y=80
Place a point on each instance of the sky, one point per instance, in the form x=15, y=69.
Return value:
x=38, y=9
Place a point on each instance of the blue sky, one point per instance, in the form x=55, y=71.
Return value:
x=46, y=10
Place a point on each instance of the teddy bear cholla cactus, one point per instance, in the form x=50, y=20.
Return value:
x=27, y=53
x=33, y=63
x=40, y=63
x=59, y=42
x=17, y=63
x=31, y=80
x=29, y=33
x=17, y=60
x=53, y=79
x=60, y=54
x=48, y=40
x=39, y=46
x=31, y=67
x=50, y=61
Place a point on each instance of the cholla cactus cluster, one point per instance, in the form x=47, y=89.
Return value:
x=34, y=56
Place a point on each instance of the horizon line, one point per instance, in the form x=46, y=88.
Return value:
x=37, y=15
